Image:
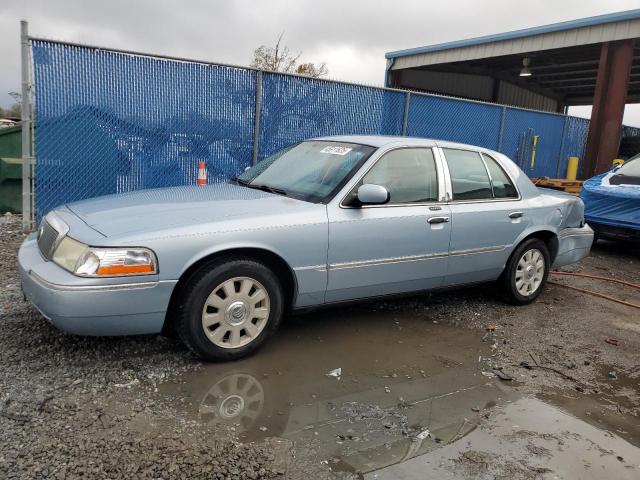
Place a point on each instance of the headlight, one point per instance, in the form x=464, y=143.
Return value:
x=68, y=252
x=113, y=262
x=85, y=261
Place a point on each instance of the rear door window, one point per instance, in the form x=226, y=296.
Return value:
x=502, y=186
x=469, y=177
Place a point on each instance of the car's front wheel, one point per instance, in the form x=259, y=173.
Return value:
x=526, y=272
x=228, y=310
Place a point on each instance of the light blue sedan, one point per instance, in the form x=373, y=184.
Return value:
x=326, y=220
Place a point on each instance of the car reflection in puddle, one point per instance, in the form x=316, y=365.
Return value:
x=406, y=387
x=236, y=399
x=361, y=430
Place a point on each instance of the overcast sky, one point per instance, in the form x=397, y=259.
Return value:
x=351, y=36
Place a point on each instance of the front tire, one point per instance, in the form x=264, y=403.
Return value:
x=526, y=272
x=227, y=310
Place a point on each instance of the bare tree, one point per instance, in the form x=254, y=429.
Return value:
x=280, y=59
x=312, y=70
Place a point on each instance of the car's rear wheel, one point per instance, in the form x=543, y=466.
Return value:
x=228, y=310
x=526, y=272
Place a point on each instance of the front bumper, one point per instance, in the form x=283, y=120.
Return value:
x=115, y=306
x=574, y=244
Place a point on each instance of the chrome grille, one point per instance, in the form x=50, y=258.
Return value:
x=47, y=238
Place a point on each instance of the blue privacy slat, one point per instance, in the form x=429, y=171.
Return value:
x=575, y=139
x=454, y=120
x=110, y=122
x=520, y=126
x=296, y=108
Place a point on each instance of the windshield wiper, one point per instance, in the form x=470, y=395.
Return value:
x=267, y=188
x=257, y=186
x=239, y=181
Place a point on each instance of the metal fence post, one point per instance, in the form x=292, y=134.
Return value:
x=256, y=120
x=405, y=113
x=501, y=134
x=561, y=156
x=27, y=157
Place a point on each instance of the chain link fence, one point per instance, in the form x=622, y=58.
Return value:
x=111, y=121
x=296, y=108
x=575, y=140
x=455, y=120
x=533, y=140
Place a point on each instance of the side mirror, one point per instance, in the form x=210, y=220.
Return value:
x=370, y=194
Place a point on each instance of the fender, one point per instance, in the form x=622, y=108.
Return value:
x=309, y=284
x=546, y=229
x=219, y=248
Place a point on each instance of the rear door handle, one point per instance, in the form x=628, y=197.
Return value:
x=438, y=220
x=516, y=215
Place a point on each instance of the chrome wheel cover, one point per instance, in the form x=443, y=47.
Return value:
x=530, y=272
x=235, y=312
x=237, y=399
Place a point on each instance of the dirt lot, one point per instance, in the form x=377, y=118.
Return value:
x=434, y=383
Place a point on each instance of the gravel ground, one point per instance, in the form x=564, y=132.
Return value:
x=54, y=393
x=71, y=407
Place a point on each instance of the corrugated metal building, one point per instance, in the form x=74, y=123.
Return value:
x=580, y=62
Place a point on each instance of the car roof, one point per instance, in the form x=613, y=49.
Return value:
x=387, y=140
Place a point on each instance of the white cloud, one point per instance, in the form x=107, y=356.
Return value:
x=349, y=63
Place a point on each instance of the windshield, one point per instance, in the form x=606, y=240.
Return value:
x=628, y=173
x=631, y=167
x=312, y=170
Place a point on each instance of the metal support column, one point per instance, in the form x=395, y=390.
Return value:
x=612, y=83
x=27, y=157
x=256, y=120
x=405, y=114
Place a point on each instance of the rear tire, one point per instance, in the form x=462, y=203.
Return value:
x=526, y=272
x=227, y=310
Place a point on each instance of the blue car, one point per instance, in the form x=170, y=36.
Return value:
x=612, y=202
x=324, y=221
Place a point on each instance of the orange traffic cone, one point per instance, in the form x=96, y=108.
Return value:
x=202, y=174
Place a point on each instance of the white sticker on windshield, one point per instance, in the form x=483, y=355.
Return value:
x=336, y=150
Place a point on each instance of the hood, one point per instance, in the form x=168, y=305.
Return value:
x=175, y=207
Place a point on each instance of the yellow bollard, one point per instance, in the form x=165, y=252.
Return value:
x=572, y=168
x=534, y=145
x=617, y=162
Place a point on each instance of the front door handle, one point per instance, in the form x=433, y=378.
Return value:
x=438, y=220
x=516, y=215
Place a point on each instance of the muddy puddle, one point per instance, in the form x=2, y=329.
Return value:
x=608, y=406
x=381, y=396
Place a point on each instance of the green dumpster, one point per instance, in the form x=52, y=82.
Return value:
x=11, y=169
